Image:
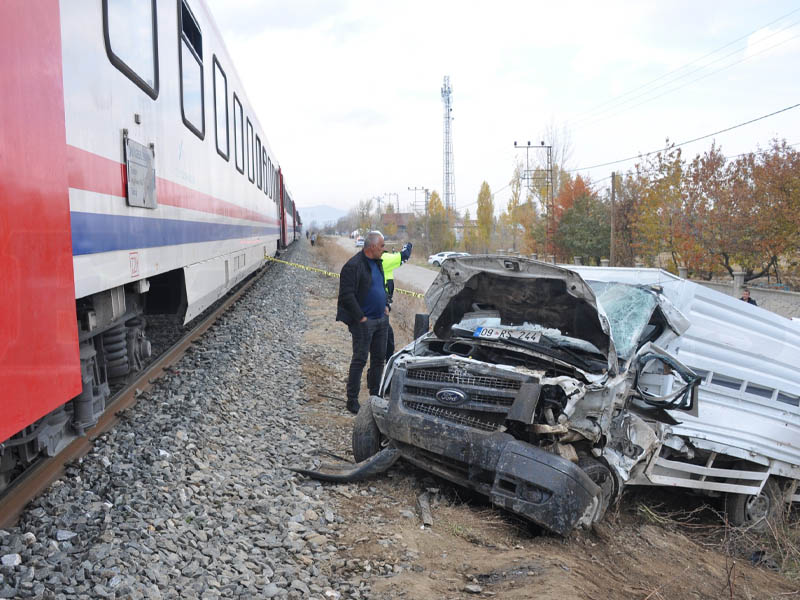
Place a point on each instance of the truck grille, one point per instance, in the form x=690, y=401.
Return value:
x=474, y=397
x=461, y=379
x=488, y=397
x=461, y=417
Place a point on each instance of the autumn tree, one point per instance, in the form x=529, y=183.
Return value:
x=472, y=241
x=440, y=234
x=626, y=207
x=511, y=219
x=390, y=229
x=660, y=206
x=485, y=217
x=755, y=216
x=366, y=219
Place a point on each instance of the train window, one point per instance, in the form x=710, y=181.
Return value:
x=250, y=164
x=264, y=169
x=221, y=111
x=257, y=158
x=270, y=174
x=191, y=68
x=129, y=30
x=238, y=133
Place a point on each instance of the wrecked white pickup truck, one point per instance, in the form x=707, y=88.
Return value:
x=548, y=389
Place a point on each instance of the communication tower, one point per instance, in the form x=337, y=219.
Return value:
x=449, y=186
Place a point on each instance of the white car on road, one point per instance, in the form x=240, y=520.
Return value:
x=437, y=259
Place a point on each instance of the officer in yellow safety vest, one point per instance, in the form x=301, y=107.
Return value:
x=390, y=261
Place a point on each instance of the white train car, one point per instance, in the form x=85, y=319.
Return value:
x=152, y=85
x=136, y=178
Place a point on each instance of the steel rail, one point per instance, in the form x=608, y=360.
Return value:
x=45, y=471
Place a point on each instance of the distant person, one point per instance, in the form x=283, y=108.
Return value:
x=306, y=233
x=390, y=261
x=746, y=297
x=363, y=308
x=313, y=238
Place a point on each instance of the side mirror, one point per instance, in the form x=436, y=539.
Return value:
x=422, y=324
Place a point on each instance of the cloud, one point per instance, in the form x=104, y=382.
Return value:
x=251, y=17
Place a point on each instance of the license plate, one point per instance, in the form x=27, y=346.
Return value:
x=492, y=333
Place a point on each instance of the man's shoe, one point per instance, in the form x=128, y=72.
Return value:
x=353, y=406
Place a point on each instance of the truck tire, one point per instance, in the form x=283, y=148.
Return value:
x=756, y=512
x=601, y=475
x=366, y=436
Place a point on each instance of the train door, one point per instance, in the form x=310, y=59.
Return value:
x=39, y=357
x=282, y=194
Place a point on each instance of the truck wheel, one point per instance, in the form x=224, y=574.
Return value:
x=600, y=475
x=366, y=436
x=756, y=512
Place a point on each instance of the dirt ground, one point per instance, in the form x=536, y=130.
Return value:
x=640, y=550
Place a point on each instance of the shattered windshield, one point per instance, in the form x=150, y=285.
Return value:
x=628, y=309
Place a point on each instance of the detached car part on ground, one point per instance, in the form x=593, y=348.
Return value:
x=548, y=392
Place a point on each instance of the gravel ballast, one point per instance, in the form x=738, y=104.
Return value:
x=189, y=496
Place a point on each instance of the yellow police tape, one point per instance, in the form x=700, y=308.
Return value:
x=329, y=274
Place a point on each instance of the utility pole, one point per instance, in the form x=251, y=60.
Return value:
x=546, y=177
x=416, y=206
x=613, y=224
x=397, y=198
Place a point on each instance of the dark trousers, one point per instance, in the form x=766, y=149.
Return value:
x=389, y=342
x=369, y=338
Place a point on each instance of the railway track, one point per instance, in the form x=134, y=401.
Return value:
x=44, y=472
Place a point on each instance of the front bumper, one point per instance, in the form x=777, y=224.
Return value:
x=537, y=485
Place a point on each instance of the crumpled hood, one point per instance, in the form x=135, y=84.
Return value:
x=521, y=290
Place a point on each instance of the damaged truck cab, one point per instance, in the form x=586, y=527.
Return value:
x=530, y=390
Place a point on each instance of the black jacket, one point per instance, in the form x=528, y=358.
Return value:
x=354, y=284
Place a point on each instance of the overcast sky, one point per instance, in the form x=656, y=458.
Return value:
x=360, y=114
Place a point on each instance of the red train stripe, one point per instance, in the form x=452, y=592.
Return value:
x=93, y=173
x=39, y=360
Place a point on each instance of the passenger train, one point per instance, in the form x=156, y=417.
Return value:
x=135, y=179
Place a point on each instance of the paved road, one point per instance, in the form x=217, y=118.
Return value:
x=408, y=277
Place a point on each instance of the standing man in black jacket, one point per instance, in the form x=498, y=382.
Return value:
x=362, y=306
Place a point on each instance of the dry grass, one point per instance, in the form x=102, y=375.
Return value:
x=776, y=548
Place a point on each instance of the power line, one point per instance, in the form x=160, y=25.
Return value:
x=684, y=143
x=492, y=196
x=684, y=66
x=676, y=88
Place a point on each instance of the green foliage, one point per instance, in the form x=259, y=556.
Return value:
x=585, y=228
x=485, y=217
x=441, y=236
x=512, y=218
x=471, y=239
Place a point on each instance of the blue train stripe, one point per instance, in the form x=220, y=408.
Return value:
x=92, y=232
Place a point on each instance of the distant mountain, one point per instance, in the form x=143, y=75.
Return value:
x=322, y=214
